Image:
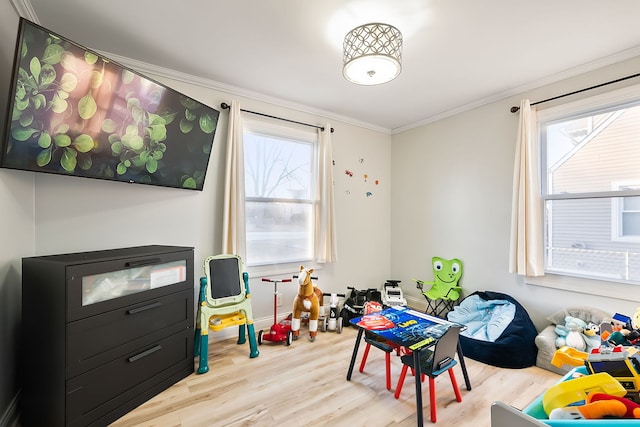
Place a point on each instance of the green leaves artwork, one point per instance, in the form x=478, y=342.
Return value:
x=78, y=113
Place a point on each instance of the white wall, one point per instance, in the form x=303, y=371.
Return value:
x=16, y=232
x=451, y=197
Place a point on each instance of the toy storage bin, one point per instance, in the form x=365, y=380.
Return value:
x=535, y=410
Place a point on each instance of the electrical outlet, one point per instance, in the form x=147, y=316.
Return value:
x=279, y=299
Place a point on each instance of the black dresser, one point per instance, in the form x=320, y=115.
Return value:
x=103, y=332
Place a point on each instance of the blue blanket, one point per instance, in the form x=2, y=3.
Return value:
x=499, y=330
x=485, y=320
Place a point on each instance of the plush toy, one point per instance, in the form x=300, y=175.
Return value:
x=624, y=330
x=632, y=409
x=598, y=406
x=307, y=300
x=591, y=329
x=624, y=337
x=446, y=274
x=572, y=334
x=592, y=332
x=635, y=320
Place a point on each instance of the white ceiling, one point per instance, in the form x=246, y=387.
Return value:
x=457, y=53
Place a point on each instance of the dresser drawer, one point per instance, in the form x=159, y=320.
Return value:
x=115, y=282
x=97, y=340
x=97, y=392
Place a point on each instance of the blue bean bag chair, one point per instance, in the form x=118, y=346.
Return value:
x=499, y=330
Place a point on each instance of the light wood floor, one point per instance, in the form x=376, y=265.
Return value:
x=305, y=385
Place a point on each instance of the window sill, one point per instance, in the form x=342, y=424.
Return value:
x=627, y=292
x=288, y=269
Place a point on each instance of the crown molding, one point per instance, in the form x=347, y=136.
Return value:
x=159, y=71
x=25, y=10
x=554, y=78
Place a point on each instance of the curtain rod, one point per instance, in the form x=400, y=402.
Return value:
x=515, y=109
x=226, y=106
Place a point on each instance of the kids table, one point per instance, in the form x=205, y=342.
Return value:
x=407, y=328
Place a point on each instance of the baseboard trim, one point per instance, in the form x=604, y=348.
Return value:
x=416, y=303
x=266, y=322
x=258, y=324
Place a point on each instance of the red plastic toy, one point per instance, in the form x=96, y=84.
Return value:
x=279, y=331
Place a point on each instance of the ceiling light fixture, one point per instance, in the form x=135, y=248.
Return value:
x=372, y=54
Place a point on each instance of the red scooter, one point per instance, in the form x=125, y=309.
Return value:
x=279, y=331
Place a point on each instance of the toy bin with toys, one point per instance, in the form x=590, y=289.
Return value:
x=583, y=398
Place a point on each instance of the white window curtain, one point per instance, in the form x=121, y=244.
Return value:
x=325, y=225
x=234, y=232
x=233, y=221
x=527, y=242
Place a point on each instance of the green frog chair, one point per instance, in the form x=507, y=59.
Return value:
x=444, y=292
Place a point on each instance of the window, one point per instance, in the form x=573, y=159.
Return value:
x=280, y=183
x=590, y=157
x=626, y=215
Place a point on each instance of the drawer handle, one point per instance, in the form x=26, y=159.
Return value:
x=144, y=353
x=74, y=390
x=144, y=308
x=143, y=262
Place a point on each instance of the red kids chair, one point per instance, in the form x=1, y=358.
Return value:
x=387, y=346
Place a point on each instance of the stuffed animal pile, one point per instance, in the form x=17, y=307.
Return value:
x=619, y=336
x=578, y=334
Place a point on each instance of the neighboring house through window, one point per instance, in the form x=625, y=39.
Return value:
x=590, y=172
x=626, y=214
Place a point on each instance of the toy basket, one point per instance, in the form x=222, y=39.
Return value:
x=535, y=410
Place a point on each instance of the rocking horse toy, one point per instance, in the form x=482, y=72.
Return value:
x=307, y=300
